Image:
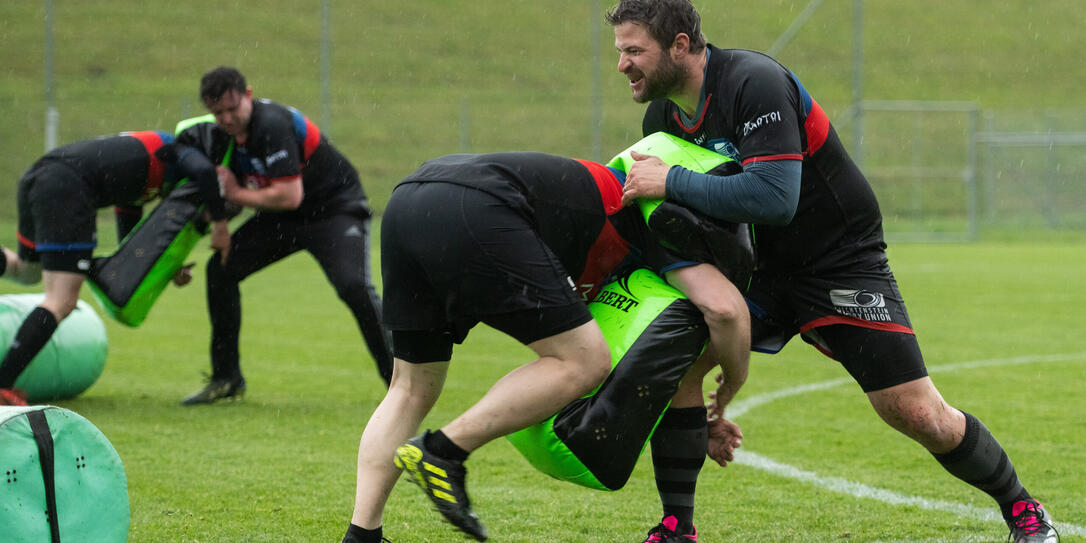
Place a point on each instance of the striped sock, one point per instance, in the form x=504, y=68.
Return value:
x=981, y=461
x=678, y=453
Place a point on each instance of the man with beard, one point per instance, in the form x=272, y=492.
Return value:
x=821, y=270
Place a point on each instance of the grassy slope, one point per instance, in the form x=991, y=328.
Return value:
x=403, y=73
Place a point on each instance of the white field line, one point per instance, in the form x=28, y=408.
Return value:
x=861, y=490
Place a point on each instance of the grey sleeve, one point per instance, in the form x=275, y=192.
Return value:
x=764, y=192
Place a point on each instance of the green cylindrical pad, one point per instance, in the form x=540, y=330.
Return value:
x=654, y=335
x=89, y=484
x=127, y=282
x=70, y=362
x=672, y=151
x=691, y=234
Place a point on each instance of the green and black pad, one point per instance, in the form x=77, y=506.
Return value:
x=689, y=233
x=60, y=479
x=70, y=362
x=127, y=282
x=654, y=334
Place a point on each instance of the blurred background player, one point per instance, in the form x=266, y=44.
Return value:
x=822, y=270
x=307, y=196
x=58, y=199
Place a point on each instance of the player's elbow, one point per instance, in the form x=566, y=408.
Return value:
x=292, y=201
x=724, y=312
x=289, y=196
x=780, y=216
x=777, y=210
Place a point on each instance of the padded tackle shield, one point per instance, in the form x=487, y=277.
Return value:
x=654, y=334
x=71, y=361
x=127, y=282
x=694, y=235
x=60, y=479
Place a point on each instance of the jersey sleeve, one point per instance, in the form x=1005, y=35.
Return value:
x=277, y=146
x=768, y=127
x=191, y=163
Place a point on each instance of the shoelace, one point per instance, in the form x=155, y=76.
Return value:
x=1030, y=522
x=658, y=534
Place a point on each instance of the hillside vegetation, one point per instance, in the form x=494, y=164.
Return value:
x=413, y=80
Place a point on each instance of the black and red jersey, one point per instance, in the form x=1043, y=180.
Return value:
x=569, y=201
x=753, y=109
x=126, y=169
x=282, y=144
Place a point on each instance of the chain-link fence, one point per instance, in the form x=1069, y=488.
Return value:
x=946, y=171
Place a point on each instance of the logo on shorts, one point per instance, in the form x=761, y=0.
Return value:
x=861, y=304
x=83, y=264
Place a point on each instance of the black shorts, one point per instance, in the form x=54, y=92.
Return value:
x=856, y=317
x=453, y=256
x=57, y=213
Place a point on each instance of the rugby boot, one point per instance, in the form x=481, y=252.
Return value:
x=217, y=389
x=443, y=482
x=665, y=532
x=1030, y=523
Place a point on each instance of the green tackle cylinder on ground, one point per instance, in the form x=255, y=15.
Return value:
x=71, y=361
x=60, y=479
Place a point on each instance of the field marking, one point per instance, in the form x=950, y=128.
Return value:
x=861, y=490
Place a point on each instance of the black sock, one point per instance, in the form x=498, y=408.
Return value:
x=980, y=461
x=678, y=453
x=358, y=534
x=3, y=261
x=34, y=333
x=440, y=444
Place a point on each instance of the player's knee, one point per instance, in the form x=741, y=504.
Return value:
x=921, y=421
x=22, y=272
x=352, y=292
x=217, y=272
x=595, y=366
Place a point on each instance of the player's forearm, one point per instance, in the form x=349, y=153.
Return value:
x=764, y=193
x=279, y=196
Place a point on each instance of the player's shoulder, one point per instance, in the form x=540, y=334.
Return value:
x=270, y=115
x=743, y=63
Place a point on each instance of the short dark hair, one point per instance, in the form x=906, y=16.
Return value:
x=664, y=20
x=220, y=81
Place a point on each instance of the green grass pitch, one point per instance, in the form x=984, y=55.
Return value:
x=999, y=325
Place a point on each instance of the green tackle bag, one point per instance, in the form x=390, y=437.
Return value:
x=655, y=334
x=694, y=235
x=71, y=361
x=60, y=479
x=127, y=282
